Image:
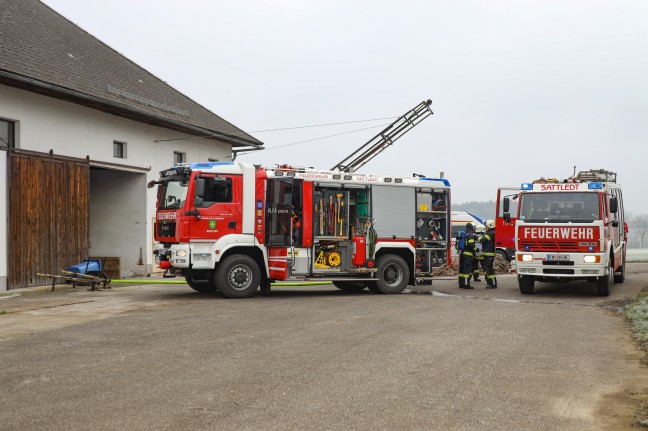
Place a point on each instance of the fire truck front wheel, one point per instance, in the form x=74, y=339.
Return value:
x=526, y=284
x=604, y=283
x=238, y=276
x=205, y=284
x=393, y=274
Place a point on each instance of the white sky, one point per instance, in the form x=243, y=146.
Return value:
x=520, y=89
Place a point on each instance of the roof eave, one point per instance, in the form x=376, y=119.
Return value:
x=104, y=105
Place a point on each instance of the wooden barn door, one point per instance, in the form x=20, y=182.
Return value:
x=48, y=216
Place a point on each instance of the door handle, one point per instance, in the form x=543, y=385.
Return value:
x=231, y=224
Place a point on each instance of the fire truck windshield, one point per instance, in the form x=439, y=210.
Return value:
x=559, y=207
x=174, y=193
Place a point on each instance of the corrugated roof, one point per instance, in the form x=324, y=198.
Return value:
x=39, y=44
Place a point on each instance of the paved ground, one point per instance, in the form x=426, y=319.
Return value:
x=164, y=357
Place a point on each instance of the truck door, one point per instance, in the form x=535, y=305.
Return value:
x=283, y=212
x=221, y=211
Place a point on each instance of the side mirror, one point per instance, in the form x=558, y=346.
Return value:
x=614, y=205
x=615, y=223
x=199, y=192
x=507, y=204
x=507, y=217
x=152, y=184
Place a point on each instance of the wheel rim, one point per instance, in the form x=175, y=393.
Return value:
x=393, y=275
x=240, y=277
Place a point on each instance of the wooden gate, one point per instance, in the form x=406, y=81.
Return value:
x=48, y=215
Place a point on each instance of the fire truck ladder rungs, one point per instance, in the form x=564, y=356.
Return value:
x=385, y=138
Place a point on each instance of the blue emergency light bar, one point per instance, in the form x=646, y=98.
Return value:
x=443, y=180
x=595, y=186
x=526, y=186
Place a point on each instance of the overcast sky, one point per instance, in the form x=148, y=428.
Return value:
x=520, y=89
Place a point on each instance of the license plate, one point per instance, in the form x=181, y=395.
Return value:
x=560, y=257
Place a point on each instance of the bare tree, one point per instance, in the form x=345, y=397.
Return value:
x=638, y=225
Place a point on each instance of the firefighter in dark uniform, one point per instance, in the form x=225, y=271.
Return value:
x=488, y=252
x=466, y=258
x=478, y=258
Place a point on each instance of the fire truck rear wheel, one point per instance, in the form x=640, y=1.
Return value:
x=604, y=283
x=526, y=284
x=393, y=274
x=350, y=286
x=238, y=276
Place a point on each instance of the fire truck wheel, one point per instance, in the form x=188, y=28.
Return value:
x=393, y=274
x=201, y=286
x=350, y=286
x=604, y=283
x=238, y=276
x=526, y=284
x=371, y=285
x=619, y=276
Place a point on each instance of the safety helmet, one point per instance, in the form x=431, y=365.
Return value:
x=479, y=228
x=490, y=224
x=469, y=227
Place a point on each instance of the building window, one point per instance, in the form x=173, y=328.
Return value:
x=119, y=149
x=179, y=157
x=7, y=134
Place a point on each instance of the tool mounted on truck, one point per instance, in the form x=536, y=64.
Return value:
x=385, y=138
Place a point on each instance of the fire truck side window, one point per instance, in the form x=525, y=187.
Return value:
x=217, y=190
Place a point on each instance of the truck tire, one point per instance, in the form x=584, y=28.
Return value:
x=371, y=285
x=604, y=283
x=502, y=254
x=350, y=286
x=526, y=283
x=393, y=274
x=619, y=276
x=238, y=276
x=202, y=286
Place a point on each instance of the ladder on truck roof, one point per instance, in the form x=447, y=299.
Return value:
x=596, y=175
x=385, y=138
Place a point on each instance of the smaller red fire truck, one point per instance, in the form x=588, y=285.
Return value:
x=570, y=230
x=235, y=227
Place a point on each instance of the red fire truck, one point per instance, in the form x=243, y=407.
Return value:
x=570, y=230
x=235, y=227
x=505, y=229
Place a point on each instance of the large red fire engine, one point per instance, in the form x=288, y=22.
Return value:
x=570, y=230
x=236, y=226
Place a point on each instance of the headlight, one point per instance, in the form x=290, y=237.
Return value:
x=588, y=258
x=181, y=253
x=525, y=257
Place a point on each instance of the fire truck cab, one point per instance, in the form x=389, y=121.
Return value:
x=235, y=227
x=570, y=230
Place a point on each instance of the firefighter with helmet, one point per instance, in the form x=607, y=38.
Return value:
x=466, y=258
x=487, y=241
x=478, y=258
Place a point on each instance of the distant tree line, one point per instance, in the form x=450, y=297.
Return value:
x=638, y=231
x=486, y=209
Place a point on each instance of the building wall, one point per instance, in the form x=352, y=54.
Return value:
x=4, y=245
x=44, y=123
x=115, y=225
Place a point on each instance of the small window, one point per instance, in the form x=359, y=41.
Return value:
x=7, y=134
x=179, y=157
x=217, y=190
x=119, y=149
x=212, y=160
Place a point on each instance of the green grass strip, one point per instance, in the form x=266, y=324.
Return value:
x=637, y=314
x=145, y=281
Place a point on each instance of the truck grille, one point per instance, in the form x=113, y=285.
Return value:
x=166, y=229
x=549, y=246
x=557, y=271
